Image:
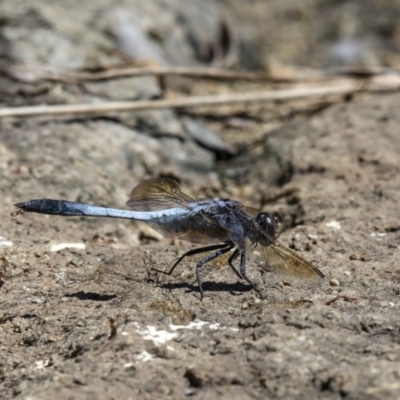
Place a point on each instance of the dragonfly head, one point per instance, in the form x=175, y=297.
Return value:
x=268, y=223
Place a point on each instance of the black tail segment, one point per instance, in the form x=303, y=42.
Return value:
x=51, y=207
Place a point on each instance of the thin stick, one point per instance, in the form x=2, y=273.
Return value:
x=195, y=101
x=36, y=72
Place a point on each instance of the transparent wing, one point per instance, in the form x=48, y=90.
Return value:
x=252, y=212
x=192, y=227
x=158, y=194
x=286, y=263
x=161, y=194
x=279, y=260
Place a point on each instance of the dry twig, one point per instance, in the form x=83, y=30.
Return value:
x=194, y=101
x=36, y=72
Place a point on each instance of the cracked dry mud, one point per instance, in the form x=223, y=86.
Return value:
x=97, y=323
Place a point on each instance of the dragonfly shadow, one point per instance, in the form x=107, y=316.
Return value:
x=209, y=286
x=81, y=295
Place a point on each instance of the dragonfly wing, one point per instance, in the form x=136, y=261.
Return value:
x=287, y=264
x=192, y=227
x=252, y=212
x=158, y=194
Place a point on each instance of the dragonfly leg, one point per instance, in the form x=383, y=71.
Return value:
x=243, y=273
x=192, y=253
x=206, y=260
x=230, y=261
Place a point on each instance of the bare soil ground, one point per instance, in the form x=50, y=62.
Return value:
x=94, y=322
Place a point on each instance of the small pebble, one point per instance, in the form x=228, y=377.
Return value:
x=190, y=392
x=334, y=282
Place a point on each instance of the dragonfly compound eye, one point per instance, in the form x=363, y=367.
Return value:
x=268, y=222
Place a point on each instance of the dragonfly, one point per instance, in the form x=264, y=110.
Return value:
x=222, y=225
